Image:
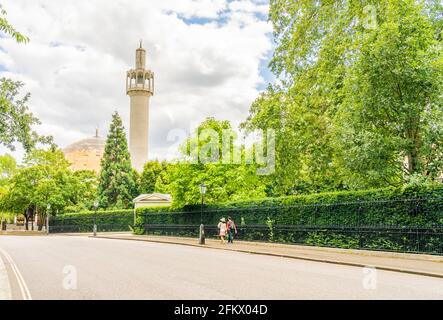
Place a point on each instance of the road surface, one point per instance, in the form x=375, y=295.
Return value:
x=80, y=267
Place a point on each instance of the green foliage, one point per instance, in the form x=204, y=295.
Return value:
x=46, y=179
x=393, y=101
x=15, y=119
x=110, y=220
x=8, y=168
x=359, y=101
x=151, y=177
x=270, y=224
x=316, y=219
x=7, y=28
x=117, y=183
x=225, y=181
x=388, y=206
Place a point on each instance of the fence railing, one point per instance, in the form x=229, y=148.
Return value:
x=388, y=238
x=405, y=225
x=85, y=224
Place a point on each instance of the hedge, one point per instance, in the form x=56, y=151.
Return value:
x=407, y=219
x=111, y=220
x=405, y=206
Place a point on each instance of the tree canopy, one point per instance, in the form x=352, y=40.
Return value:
x=16, y=121
x=117, y=182
x=358, y=99
x=225, y=181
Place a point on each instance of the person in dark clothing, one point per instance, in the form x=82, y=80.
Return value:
x=232, y=229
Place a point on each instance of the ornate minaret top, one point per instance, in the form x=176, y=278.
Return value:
x=140, y=79
x=140, y=57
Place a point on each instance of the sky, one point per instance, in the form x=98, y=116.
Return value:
x=209, y=57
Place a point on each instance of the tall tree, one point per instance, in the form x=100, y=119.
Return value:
x=15, y=119
x=150, y=174
x=8, y=168
x=44, y=179
x=359, y=92
x=225, y=181
x=116, y=184
x=394, y=101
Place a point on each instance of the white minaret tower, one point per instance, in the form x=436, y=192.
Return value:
x=139, y=87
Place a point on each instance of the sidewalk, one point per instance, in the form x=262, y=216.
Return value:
x=22, y=233
x=420, y=264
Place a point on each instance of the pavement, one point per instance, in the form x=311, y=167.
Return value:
x=83, y=267
x=22, y=233
x=420, y=264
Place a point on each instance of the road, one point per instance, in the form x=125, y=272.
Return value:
x=80, y=267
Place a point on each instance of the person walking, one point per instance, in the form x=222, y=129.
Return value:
x=222, y=229
x=232, y=229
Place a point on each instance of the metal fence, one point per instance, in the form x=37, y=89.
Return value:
x=400, y=225
x=107, y=223
x=388, y=238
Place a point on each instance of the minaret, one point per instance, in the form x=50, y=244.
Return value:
x=139, y=87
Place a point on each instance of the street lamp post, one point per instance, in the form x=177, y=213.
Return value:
x=95, y=217
x=48, y=207
x=202, y=227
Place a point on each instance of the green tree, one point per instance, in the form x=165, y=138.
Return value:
x=44, y=179
x=85, y=183
x=163, y=179
x=359, y=92
x=116, y=184
x=15, y=119
x=150, y=174
x=8, y=167
x=225, y=181
x=394, y=101
x=7, y=28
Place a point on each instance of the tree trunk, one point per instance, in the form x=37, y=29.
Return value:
x=40, y=221
x=26, y=222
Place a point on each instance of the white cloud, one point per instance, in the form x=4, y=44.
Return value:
x=79, y=52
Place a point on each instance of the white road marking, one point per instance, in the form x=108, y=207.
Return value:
x=21, y=282
x=5, y=288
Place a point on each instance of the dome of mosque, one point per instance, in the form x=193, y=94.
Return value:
x=86, y=154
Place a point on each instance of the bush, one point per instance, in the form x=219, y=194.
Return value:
x=381, y=219
x=410, y=205
x=112, y=220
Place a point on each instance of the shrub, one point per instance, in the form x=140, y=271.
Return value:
x=405, y=206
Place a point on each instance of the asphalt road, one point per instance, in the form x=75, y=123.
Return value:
x=78, y=267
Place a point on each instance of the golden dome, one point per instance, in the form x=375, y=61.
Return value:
x=86, y=154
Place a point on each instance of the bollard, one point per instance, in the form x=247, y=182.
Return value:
x=201, y=239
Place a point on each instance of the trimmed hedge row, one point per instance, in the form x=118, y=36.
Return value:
x=112, y=220
x=406, y=206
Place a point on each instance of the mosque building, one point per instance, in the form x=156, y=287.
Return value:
x=86, y=154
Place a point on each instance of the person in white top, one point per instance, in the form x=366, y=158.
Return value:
x=222, y=229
